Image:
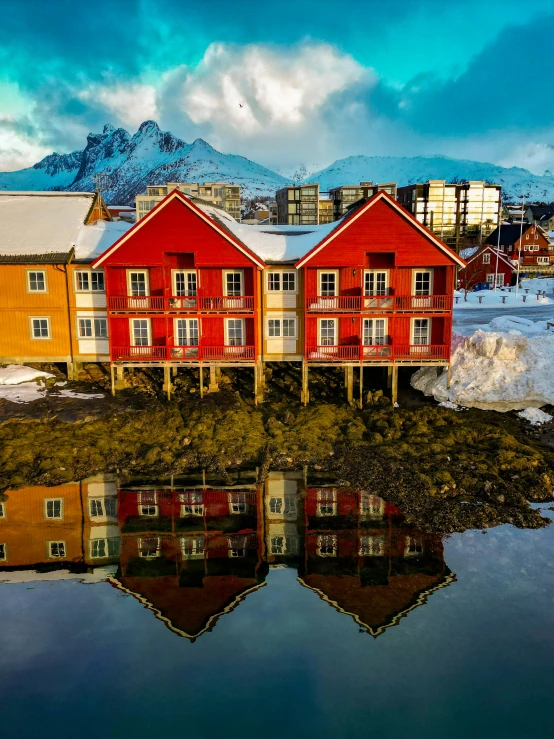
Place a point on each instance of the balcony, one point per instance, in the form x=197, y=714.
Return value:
x=381, y=353
x=183, y=354
x=386, y=303
x=188, y=303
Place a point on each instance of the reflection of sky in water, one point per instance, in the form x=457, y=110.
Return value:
x=476, y=660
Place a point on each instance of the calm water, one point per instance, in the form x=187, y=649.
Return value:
x=287, y=611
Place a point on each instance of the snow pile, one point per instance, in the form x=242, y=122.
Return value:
x=535, y=416
x=15, y=374
x=496, y=370
x=492, y=299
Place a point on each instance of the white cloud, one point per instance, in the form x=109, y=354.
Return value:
x=130, y=103
x=17, y=150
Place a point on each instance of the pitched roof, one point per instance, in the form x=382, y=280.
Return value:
x=509, y=233
x=542, y=212
x=40, y=223
x=63, y=257
x=487, y=247
x=363, y=207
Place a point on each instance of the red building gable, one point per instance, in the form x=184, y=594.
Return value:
x=482, y=267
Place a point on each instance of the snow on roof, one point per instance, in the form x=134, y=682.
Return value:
x=270, y=242
x=47, y=222
x=467, y=253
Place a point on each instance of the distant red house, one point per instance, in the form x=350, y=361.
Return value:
x=527, y=242
x=483, y=264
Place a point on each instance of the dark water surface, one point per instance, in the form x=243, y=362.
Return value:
x=285, y=611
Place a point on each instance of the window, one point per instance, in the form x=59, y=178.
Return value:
x=421, y=331
x=92, y=328
x=235, y=331
x=233, y=283
x=192, y=504
x=56, y=549
x=543, y=260
x=372, y=506
x=285, y=327
x=192, y=546
x=328, y=284
x=281, y=281
x=326, y=502
x=376, y=283
x=274, y=281
x=2, y=510
x=237, y=503
x=186, y=332
x=89, y=281
x=276, y=505
x=422, y=283
x=413, y=547
x=148, y=504
x=327, y=332
x=53, y=508
x=327, y=545
x=36, y=281
x=101, y=507
x=150, y=547
x=372, y=545
x=375, y=331
x=101, y=548
x=138, y=283
x=140, y=332
x=486, y=258
x=40, y=327
x=290, y=505
x=3, y=552
x=289, y=281
x=185, y=283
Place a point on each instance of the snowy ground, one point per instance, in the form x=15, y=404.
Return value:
x=20, y=384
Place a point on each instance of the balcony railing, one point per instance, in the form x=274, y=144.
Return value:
x=150, y=303
x=378, y=353
x=182, y=353
x=359, y=303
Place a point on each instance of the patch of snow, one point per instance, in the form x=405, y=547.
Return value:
x=26, y=392
x=100, y=574
x=452, y=406
x=15, y=374
x=81, y=396
x=535, y=416
x=492, y=299
x=495, y=370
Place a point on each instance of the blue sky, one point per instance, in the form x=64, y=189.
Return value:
x=316, y=80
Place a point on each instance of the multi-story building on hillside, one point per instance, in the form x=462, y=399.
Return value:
x=298, y=205
x=460, y=214
x=345, y=196
x=52, y=304
x=221, y=194
x=325, y=208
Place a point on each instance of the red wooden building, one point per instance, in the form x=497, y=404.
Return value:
x=527, y=242
x=483, y=263
x=181, y=289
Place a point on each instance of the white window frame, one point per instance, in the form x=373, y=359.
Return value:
x=335, y=331
x=281, y=289
x=421, y=270
x=280, y=319
x=543, y=260
x=412, y=331
x=374, y=321
x=417, y=541
x=4, y=556
x=486, y=258
x=132, y=332
x=233, y=272
x=238, y=504
x=57, y=542
x=149, y=553
x=45, y=277
x=371, y=545
x=195, y=548
x=102, y=501
x=149, y=503
x=144, y=272
x=106, y=541
x=368, y=507
x=187, y=272
x=48, y=323
x=327, y=541
x=89, y=273
x=92, y=318
x=192, y=504
x=243, y=330
x=53, y=518
x=376, y=272
x=3, y=510
x=326, y=502
x=189, y=322
x=320, y=274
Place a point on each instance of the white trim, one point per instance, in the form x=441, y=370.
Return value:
x=146, y=282
x=281, y=317
x=281, y=272
x=132, y=333
x=494, y=253
x=89, y=272
x=160, y=206
x=431, y=271
x=174, y=273
x=40, y=318
x=49, y=549
x=412, y=326
x=319, y=331
x=226, y=327
x=53, y=518
x=5, y=557
x=386, y=272
x=335, y=272
x=45, y=275
x=382, y=195
x=92, y=317
x=226, y=272
x=175, y=330
x=373, y=319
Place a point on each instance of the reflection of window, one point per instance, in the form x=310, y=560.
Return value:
x=372, y=545
x=290, y=505
x=372, y=506
x=53, y=508
x=326, y=502
x=284, y=545
x=3, y=552
x=148, y=504
x=2, y=510
x=192, y=546
x=276, y=505
x=150, y=547
x=101, y=548
x=192, y=504
x=413, y=547
x=56, y=549
x=101, y=507
x=238, y=503
x=327, y=545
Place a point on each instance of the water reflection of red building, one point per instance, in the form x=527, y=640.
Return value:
x=366, y=560
x=190, y=555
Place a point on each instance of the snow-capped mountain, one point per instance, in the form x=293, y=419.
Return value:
x=149, y=157
x=515, y=181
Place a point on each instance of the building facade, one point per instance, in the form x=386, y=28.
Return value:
x=482, y=265
x=460, y=214
x=345, y=196
x=298, y=205
x=526, y=243
x=222, y=194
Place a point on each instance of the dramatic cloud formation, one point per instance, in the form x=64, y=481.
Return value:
x=464, y=80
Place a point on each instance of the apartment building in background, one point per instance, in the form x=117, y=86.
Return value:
x=460, y=214
x=222, y=194
x=345, y=196
x=325, y=208
x=298, y=205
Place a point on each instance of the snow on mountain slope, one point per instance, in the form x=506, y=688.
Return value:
x=409, y=170
x=151, y=156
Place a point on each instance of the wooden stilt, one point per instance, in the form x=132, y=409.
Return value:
x=361, y=401
x=167, y=381
x=201, y=381
x=256, y=384
x=394, y=392
x=214, y=385
x=349, y=382
x=448, y=377
x=389, y=376
x=120, y=378
x=112, y=372
x=305, y=395
x=174, y=371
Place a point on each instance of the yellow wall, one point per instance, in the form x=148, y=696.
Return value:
x=283, y=305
